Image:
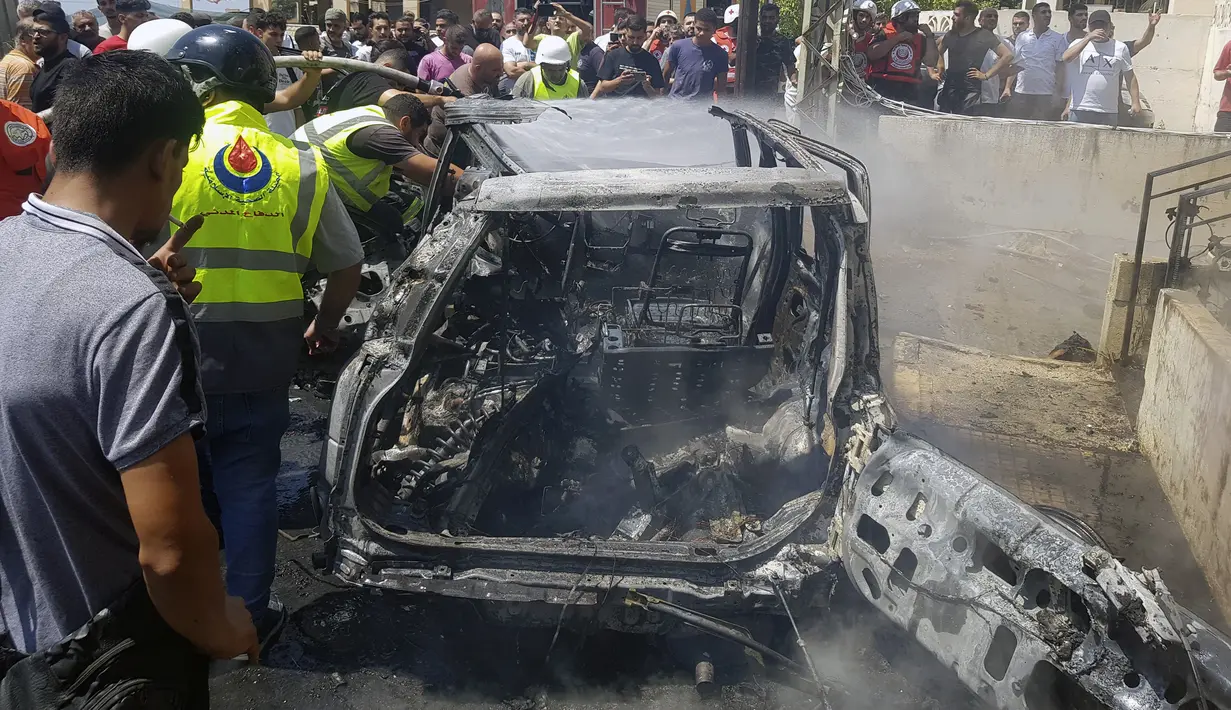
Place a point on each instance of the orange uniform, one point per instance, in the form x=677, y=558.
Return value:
x=24, y=145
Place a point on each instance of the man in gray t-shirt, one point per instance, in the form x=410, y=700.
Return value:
x=103, y=537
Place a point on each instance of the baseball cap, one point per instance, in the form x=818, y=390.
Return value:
x=901, y=7
x=1099, y=16
x=731, y=15
x=666, y=13
x=334, y=13
x=52, y=14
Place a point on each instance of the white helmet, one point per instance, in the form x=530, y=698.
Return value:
x=731, y=15
x=158, y=36
x=868, y=6
x=553, y=50
x=901, y=7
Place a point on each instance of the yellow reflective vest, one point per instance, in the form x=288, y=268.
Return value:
x=262, y=195
x=360, y=181
x=567, y=90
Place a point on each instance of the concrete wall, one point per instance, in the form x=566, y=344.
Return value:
x=1185, y=429
x=1115, y=313
x=1171, y=71
x=1040, y=175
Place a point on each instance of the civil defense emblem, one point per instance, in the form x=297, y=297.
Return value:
x=242, y=173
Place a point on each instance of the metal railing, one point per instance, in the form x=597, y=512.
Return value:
x=1185, y=220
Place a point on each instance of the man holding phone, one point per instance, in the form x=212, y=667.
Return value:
x=629, y=70
x=563, y=24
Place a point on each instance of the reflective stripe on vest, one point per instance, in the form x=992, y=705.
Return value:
x=262, y=196
x=568, y=90
x=360, y=181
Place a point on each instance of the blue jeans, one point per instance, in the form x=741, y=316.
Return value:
x=1095, y=118
x=239, y=460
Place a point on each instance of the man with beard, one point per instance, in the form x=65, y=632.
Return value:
x=630, y=70
x=897, y=54
x=51, y=44
x=1079, y=16
x=335, y=44
x=963, y=49
x=407, y=32
x=517, y=57
x=482, y=30
x=775, y=56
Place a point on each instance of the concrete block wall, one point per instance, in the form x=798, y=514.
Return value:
x=1115, y=313
x=1042, y=175
x=1184, y=426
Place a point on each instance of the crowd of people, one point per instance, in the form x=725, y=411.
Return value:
x=144, y=375
x=1033, y=73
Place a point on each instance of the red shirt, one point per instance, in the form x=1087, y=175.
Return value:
x=112, y=42
x=723, y=38
x=24, y=144
x=1224, y=63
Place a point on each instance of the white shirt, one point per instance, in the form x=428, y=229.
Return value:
x=1036, y=56
x=282, y=122
x=990, y=89
x=1094, y=77
x=603, y=41
x=514, y=50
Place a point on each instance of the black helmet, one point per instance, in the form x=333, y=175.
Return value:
x=234, y=56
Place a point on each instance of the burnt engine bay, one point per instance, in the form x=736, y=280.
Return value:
x=601, y=375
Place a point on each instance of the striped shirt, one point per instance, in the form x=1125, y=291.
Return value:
x=16, y=74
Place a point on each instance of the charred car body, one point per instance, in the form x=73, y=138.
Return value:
x=631, y=394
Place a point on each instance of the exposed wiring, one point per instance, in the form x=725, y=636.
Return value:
x=568, y=602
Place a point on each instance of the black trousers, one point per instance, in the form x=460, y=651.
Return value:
x=125, y=658
x=1222, y=124
x=1035, y=107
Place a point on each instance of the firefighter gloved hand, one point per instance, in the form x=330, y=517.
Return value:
x=169, y=261
x=321, y=339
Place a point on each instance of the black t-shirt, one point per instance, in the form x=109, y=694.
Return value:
x=417, y=51
x=47, y=81
x=589, y=62
x=966, y=53
x=382, y=143
x=361, y=88
x=642, y=60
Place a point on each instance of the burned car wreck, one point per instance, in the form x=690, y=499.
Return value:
x=649, y=395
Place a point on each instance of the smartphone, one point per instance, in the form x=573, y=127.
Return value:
x=614, y=37
x=545, y=9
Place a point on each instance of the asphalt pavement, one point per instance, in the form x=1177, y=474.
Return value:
x=345, y=647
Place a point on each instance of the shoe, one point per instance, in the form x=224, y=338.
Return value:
x=269, y=624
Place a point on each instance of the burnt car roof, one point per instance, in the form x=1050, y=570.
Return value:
x=588, y=135
x=661, y=188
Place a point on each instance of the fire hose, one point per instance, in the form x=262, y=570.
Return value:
x=401, y=78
